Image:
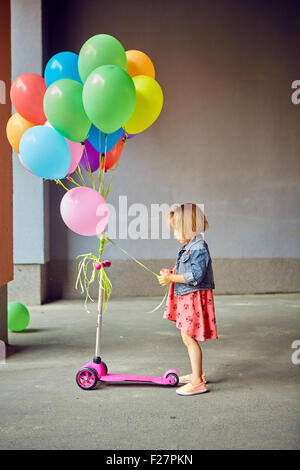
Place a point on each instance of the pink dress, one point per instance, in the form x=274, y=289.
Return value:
x=194, y=313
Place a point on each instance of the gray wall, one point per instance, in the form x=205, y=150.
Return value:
x=228, y=135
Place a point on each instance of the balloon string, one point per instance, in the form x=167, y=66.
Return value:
x=73, y=181
x=84, y=264
x=132, y=257
x=102, y=165
x=89, y=167
x=78, y=171
x=161, y=303
x=102, y=244
x=59, y=182
x=111, y=180
x=84, y=280
x=104, y=162
x=145, y=267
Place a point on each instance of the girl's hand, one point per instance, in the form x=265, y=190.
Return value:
x=165, y=277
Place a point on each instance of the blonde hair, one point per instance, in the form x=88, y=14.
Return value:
x=188, y=220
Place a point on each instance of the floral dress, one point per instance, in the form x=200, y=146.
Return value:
x=194, y=313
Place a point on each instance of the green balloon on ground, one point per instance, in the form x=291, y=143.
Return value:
x=101, y=49
x=109, y=97
x=64, y=109
x=17, y=316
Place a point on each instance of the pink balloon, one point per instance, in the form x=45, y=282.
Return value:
x=84, y=211
x=76, y=154
x=75, y=150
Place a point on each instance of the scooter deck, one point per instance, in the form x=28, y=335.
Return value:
x=131, y=378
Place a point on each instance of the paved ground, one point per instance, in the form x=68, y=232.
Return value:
x=253, y=401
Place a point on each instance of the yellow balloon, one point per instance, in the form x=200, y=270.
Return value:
x=15, y=128
x=149, y=101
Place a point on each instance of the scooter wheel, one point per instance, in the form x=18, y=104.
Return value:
x=174, y=381
x=86, y=378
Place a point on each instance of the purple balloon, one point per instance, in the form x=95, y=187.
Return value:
x=129, y=136
x=91, y=156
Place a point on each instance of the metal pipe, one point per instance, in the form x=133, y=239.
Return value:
x=99, y=316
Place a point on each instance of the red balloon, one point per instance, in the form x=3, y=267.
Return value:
x=114, y=154
x=27, y=94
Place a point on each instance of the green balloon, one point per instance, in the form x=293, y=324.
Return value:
x=64, y=109
x=109, y=97
x=17, y=316
x=101, y=49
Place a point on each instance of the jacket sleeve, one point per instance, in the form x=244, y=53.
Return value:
x=198, y=260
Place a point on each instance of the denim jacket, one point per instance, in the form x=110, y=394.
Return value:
x=194, y=263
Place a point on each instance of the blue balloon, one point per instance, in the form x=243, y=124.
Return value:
x=62, y=65
x=97, y=139
x=45, y=152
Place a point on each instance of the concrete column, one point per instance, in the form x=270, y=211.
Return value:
x=6, y=193
x=31, y=202
x=3, y=314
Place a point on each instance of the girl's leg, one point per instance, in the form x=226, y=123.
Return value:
x=195, y=355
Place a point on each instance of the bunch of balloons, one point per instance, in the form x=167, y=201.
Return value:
x=80, y=115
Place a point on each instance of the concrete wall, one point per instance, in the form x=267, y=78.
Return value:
x=3, y=318
x=31, y=194
x=6, y=190
x=228, y=135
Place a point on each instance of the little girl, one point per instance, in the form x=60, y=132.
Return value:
x=190, y=301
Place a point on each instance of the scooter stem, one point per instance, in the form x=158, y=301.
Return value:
x=99, y=316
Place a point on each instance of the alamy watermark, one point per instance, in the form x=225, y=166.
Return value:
x=139, y=221
x=295, y=358
x=295, y=97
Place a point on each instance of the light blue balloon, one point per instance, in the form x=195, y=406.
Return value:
x=97, y=139
x=45, y=152
x=62, y=65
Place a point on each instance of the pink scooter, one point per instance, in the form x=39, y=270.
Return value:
x=96, y=370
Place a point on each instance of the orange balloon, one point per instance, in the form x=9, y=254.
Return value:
x=15, y=128
x=138, y=63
